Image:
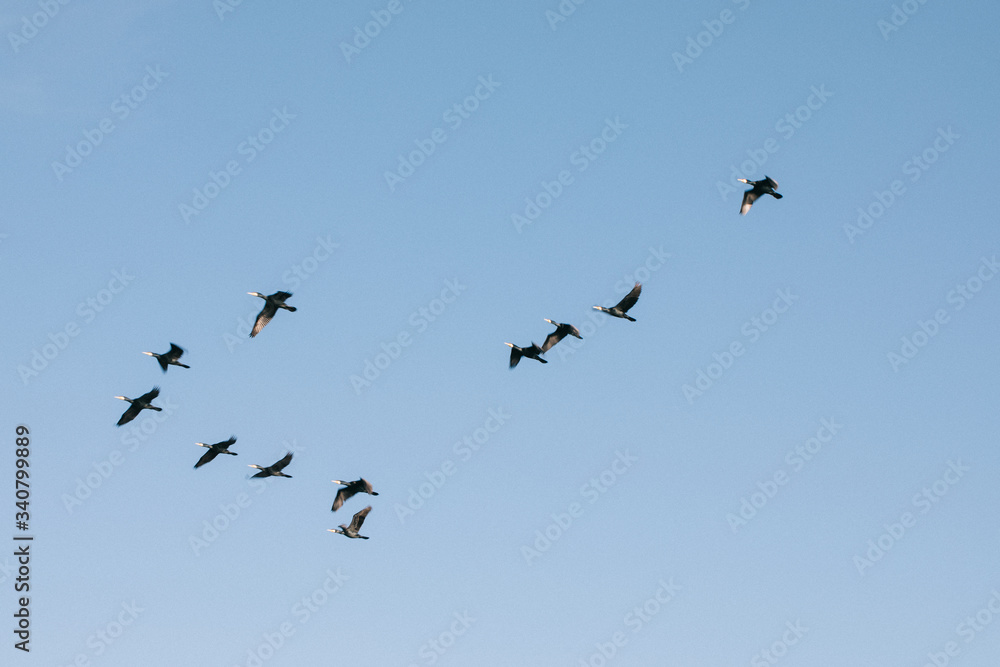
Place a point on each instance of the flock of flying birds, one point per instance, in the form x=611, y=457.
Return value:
x=172, y=358
x=276, y=301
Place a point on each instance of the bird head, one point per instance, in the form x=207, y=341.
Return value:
x=743, y=180
x=257, y=294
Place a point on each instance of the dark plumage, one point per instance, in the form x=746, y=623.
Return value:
x=169, y=358
x=274, y=470
x=138, y=405
x=533, y=352
x=215, y=450
x=562, y=330
x=623, y=305
x=759, y=189
x=271, y=305
x=350, y=489
x=352, y=530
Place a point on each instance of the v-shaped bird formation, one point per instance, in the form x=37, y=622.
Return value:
x=277, y=301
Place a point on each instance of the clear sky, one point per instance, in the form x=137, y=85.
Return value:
x=791, y=457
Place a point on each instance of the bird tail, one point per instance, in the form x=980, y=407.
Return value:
x=776, y=195
x=183, y=365
x=630, y=319
x=153, y=407
x=290, y=309
x=374, y=493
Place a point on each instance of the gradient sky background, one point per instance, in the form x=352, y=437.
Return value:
x=653, y=191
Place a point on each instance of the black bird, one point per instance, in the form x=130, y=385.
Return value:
x=144, y=402
x=352, y=530
x=215, y=450
x=169, y=358
x=271, y=305
x=533, y=352
x=350, y=488
x=274, y=470
x=562, y=330
x=624, y=304
x=759, y=189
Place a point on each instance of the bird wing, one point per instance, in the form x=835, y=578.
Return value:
x=285, y=460
x=630, y=298
x=265, y=315
x=553, y=338
x=343, y=494
x=163, y=361
x=749, y=197
x=129, y=414
x=366, y=486
x=150, y=395
x=359, y=518
x=206, y=457
x=280, y=296
x=227, y=443
x=770, y=181
x=175, y=352
x=515, y=355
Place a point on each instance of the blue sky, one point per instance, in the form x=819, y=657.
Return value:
x=789, y=458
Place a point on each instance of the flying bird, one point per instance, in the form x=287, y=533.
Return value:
x=533, y=352
x=350, y=488
x=274, y=470
x=562, y=330
x=624, y=304
x=215, y=450
x=352, y=530
x=271, y=305
x=759, y=189
x=144, y=402
x=169, y=358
